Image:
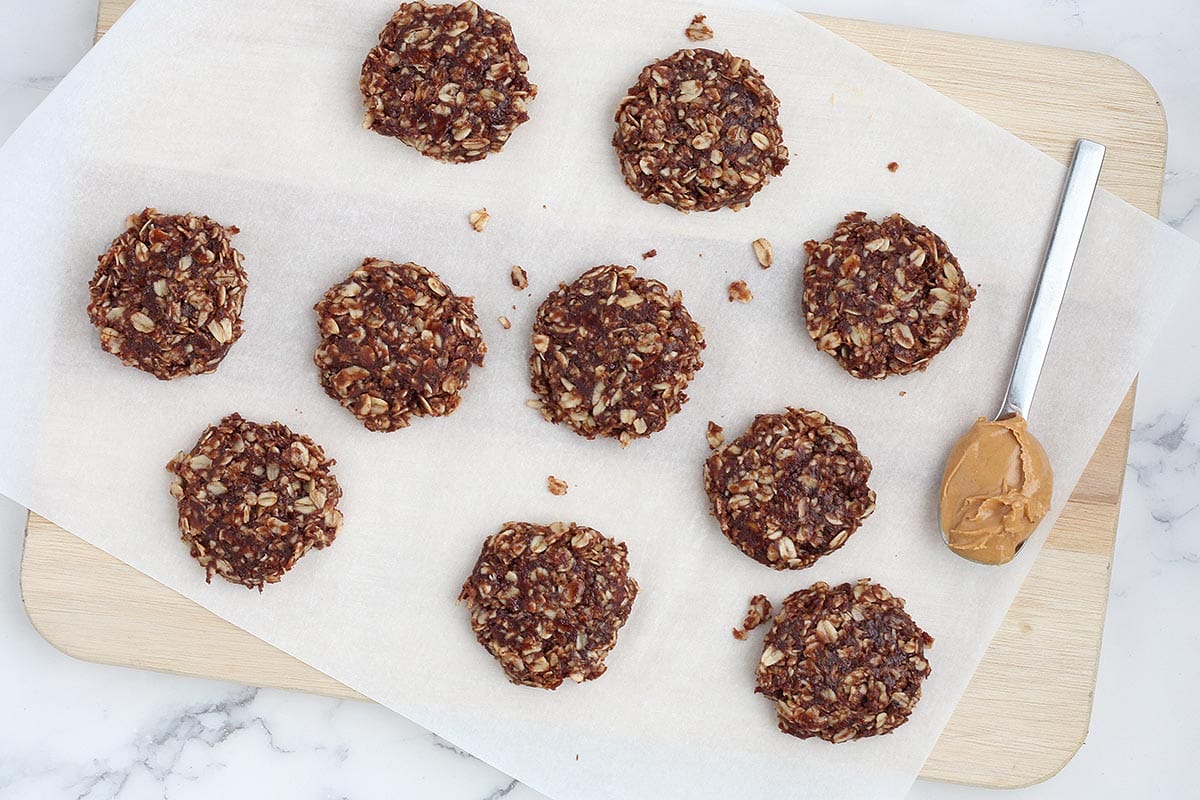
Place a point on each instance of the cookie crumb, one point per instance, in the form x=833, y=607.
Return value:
x=649, y=254
x=740, y=292
x=764, y=253
x=759, y=610
x=893, y=166
x=519, y=277
x=902, y=394
x=698, y=30
x=504, y=323
x=556, y=487
x=479, y=219
x=715, y=435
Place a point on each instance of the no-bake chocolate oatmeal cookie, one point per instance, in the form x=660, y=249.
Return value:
x=883, y=298
x=699, y=131
x=790, y=489
x=612, y=354
x=843, y=662
x=167, y=294
x=253, y=499
x=396, y=343
x=448, y=80
x=548, y=600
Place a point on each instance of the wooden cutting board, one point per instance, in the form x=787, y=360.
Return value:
x=1026, y=710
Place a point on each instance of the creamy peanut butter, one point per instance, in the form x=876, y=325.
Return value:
x=995, y=490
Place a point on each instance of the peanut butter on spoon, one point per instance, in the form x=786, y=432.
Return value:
x=995, y=490
x=998, y=483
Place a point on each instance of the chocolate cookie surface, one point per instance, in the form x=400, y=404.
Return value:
x=253, y=499
x=396, y=343
x=843, y=662
x=790, y=489
x=167, y=294
x=883, y=298
x=699, y=131
x=612, y=354
x=548, y=600
x=448, y=80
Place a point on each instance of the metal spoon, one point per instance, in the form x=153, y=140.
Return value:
x=1073, y=208
x=1074, y=205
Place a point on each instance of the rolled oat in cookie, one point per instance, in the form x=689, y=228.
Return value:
x=612, y=354
x=791, y=489
x=699, y=131
x=843, y=662
x=396, y=343
x=167, y=294
x=253, y=499
x=548, y=600
x=883, y=298
x=447, y=80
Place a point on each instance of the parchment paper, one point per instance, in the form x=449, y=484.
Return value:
x=249, y=112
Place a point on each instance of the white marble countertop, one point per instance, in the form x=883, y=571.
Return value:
x=79, y=730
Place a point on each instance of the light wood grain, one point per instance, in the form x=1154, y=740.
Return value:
x=1027, y=708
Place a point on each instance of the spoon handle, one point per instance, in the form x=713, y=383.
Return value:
x=1073, y=210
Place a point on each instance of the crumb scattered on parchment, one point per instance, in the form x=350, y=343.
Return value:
x=479, y=219
x=764, y=253
x=556, y=487
x=519, y=277
x=740, y=292
x=903, y=393
x=715, y=435
x=832, y=98
x=698, y=31
x=893, y=166
x=759, y=610
x=649, y=254
x=504, y=323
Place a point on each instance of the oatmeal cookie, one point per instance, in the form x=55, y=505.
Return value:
x=548, y=600
x=167, y=294
x=843, y=662
x=447, y=80
x=612, y=354
x=253, y=499
x=883, y=298
x=790, y=489
x=396, y=343
x=699, y=131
